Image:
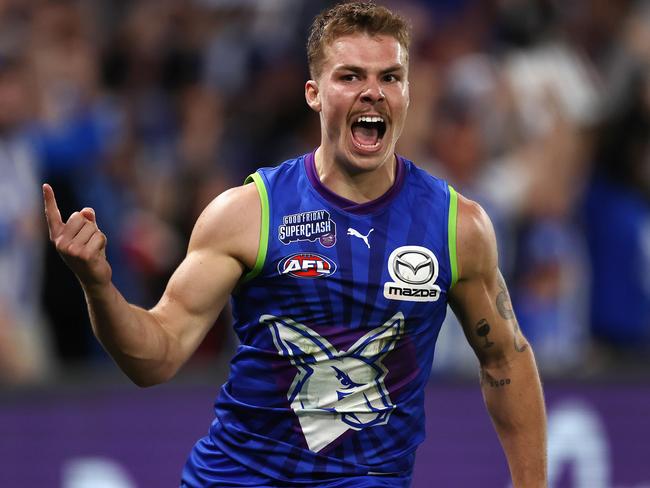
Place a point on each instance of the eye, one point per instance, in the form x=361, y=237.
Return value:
x=345, y=380
x=349, y=77
x=391, y=78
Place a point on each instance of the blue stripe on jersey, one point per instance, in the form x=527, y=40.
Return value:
x=337, y=330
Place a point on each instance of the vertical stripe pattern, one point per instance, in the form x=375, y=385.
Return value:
x=337, y=323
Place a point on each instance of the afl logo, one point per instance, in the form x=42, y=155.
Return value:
x=414, y=270
x=306, y=265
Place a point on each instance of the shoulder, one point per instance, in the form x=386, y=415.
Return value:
x=475, y=240
x=290, y=166
x=230, y=224
x=417, y=177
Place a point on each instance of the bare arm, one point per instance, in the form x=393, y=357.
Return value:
x=151, y=345
x=509, y=378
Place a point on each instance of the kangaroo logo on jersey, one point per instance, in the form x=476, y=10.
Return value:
x=306, y=265
x=414, y=270
x=335, y=391
x=308, y=226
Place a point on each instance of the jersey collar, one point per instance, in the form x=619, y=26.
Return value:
x=348, y=205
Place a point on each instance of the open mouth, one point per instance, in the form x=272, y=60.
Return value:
x=367, y=132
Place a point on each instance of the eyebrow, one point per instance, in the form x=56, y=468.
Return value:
x=358, y=69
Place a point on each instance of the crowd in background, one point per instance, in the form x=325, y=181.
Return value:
x=146, y=110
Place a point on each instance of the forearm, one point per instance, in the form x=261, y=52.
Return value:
x=133, y=337
x=150, y=346
x=513, y=395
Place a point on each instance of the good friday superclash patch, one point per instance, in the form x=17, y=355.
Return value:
x=308, y=226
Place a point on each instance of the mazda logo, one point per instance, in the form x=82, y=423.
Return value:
x=413, y=267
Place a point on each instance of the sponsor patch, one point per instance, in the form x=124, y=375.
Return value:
x=306, y=265
x=414, y=270
x=308, y=226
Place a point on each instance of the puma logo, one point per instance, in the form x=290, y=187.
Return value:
x=356, y=233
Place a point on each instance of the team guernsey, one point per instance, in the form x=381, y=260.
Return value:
x=337, y=323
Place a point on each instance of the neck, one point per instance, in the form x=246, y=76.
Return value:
x=357, y=186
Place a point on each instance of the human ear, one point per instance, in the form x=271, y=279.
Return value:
x=312, y=95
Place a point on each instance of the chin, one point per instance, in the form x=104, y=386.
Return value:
x=359, y=165
x=369, y=160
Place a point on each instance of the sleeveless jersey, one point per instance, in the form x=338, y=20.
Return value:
x=337, y=322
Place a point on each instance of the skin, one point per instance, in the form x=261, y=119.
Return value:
x=360, y=75
x=151, y=345
x=509, y=379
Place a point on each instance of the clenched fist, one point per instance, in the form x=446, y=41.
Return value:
x=79, y=242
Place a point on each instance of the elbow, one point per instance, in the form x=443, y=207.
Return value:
x=498, y=360
x=145, y=382
x=507, y=360
x=150, y=377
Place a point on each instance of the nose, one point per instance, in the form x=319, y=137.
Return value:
x=372, y=92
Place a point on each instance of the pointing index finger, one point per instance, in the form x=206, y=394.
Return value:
x=52, y=214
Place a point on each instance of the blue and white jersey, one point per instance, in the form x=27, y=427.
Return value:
x=337, y=322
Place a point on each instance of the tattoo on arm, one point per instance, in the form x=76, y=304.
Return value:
x=504, y=306
x=503, y=300
x=487, y=380
x=482, y=330
x=498, y=383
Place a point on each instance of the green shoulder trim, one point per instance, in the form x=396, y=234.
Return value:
x=264, y=228
x=451, y=234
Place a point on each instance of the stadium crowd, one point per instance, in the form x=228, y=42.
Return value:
x=145, y=110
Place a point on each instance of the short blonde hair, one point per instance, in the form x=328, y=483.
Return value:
x=352, y=18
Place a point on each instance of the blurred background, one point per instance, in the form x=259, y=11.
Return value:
x=146, y=110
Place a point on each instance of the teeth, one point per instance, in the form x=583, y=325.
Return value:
x=367, y=118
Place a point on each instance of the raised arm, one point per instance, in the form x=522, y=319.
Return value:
x=151, y=345
x=509, y=379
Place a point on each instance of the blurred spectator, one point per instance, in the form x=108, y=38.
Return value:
x=74, y=132
x=618, y=204
x=147, y=109
x=25, y=349
x=511, y=129
x=552, y=307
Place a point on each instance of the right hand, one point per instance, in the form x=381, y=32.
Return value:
x=79, y=242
